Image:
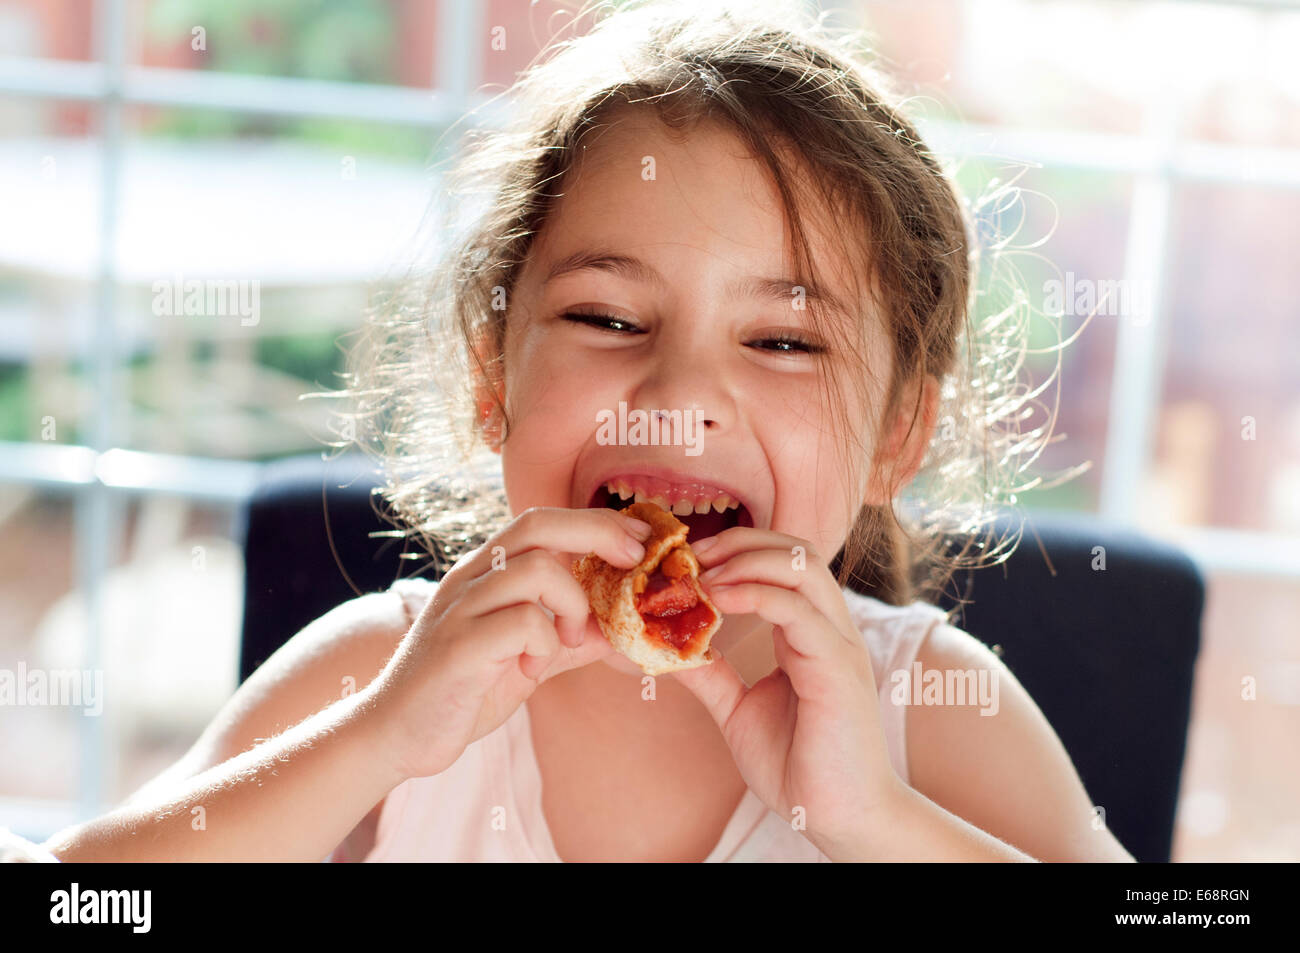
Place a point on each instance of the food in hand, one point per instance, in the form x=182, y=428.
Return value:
x=655, y=613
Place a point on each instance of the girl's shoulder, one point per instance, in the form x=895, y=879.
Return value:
x=869, y=611
x=893, y=634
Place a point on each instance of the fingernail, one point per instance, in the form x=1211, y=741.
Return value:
x=635, y=550
x=711, y=574
x=638, y=528
x=703, y=544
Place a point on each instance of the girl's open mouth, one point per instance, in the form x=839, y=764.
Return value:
x=704, y=510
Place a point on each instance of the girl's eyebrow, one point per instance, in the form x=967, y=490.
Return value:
x=634, y=269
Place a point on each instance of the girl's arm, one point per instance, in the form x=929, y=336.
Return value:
x=304, y=680
x=479, y=647
x=291, y=798
x=1006, y=774
x=329, y=659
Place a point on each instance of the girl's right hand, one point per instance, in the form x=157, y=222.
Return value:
x=503, y=620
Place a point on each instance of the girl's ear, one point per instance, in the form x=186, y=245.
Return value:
x=489, y=389
x=906, y=451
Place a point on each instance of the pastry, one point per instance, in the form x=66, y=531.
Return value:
x=655, y=613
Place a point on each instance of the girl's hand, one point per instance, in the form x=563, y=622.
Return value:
x=507, y=617
x=806, y=738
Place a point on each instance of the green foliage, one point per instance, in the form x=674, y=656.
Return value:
x=311, y=357
x=347, y=40
x=335, y=40
x=1073, y=496
x=15, y=423
x=361, y=138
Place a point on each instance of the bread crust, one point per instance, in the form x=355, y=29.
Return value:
x=612, y=593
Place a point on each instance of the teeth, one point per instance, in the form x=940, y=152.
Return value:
x=719, y=504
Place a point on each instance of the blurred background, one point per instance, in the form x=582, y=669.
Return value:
x=287, y=149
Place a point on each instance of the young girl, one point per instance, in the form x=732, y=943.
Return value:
x=716, y=220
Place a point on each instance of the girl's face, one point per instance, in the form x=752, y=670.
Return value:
x=673, y=254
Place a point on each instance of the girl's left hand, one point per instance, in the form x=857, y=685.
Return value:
x=807, y=736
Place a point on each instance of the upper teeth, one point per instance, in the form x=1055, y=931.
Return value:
x=680, y=506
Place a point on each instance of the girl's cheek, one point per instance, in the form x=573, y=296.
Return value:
x=811, y=501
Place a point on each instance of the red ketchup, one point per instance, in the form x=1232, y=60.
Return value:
x=670, y=605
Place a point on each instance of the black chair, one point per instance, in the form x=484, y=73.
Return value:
x=1108, y=655
x=307, y=548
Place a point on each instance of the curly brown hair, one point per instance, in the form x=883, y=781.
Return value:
x=811, y=106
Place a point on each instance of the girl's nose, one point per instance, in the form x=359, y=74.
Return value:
x=689, y=379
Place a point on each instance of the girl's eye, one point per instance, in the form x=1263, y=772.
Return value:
x=610, y=322
x=787, y=344
x=782, y=343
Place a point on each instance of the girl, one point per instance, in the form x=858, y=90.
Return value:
x=719, y=220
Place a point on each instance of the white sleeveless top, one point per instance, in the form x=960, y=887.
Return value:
x=488, y=805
